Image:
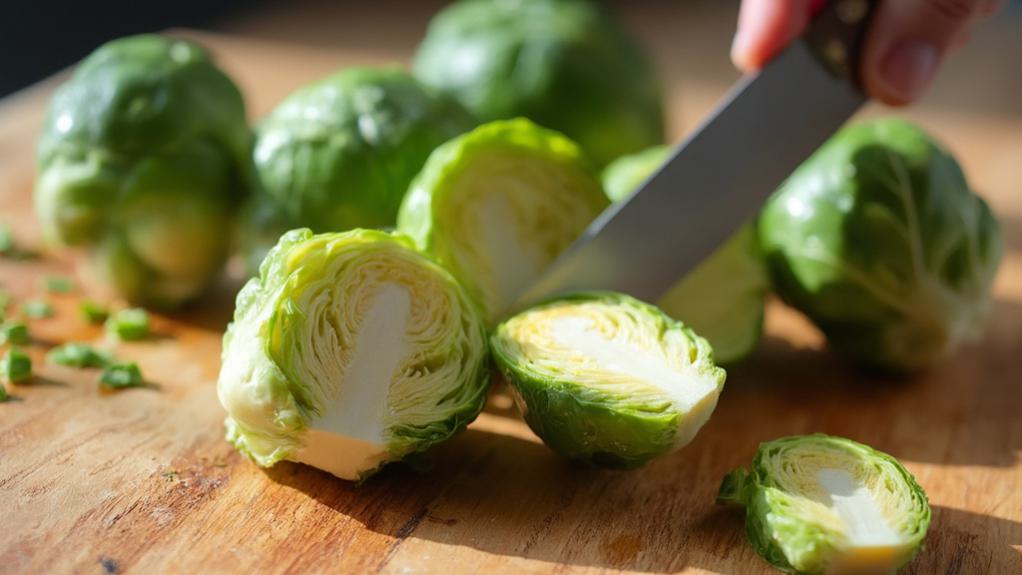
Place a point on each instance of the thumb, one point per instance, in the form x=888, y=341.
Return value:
x=908, y=39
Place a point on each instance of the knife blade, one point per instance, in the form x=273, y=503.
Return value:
x=719, y=176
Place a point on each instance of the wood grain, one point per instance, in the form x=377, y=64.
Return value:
x=142, y=481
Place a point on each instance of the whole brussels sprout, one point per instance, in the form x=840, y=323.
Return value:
x=723, y=298
x=608, y=379
x=497, y=205
x=879, y=240
x=818, y=504
x=340, y=153
x=348, y=351
x=568, y=65
x=142, y=162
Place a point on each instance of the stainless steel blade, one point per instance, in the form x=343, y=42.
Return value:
x=716, y=180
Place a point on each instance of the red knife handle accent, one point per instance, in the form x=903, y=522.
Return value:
x=836, y=35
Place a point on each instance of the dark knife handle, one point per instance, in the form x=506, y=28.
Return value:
x=836, y=35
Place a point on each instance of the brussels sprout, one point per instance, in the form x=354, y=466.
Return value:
x=622, y=177
x=497, y=205
x=141, y=162
x=722, y=299
x=348, y=351
x=566, y=64
x=878, y=239
x=607, y=379
x=822, y=504
x=340, y=153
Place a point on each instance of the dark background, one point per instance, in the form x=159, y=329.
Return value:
x=40, y=37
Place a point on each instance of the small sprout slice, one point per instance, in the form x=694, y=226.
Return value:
x=93, y=312
x=15, y=333
x=16, y=366
x=58, y=284
x=129, y=324
x=37, y=309
x=348, y=351
x=608, y=379
x=822, y=504
x=78, y=355
x=497, y=205
x=121, y=376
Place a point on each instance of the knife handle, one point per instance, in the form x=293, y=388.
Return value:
x=836, y=35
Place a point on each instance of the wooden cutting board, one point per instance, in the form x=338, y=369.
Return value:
x=142, y=481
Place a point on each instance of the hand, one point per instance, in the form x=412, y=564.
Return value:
x=905, y=44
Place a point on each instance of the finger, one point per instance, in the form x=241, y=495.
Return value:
x=764, y=28
x=906, y=42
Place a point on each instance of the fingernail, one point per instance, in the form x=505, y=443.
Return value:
x=908, y=69
x=739, y=51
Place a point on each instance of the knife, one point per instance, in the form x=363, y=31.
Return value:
x=719, y=176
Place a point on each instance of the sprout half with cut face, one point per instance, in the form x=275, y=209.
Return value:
x=608, y=379
x=498, y=204
x=823, y=504
x=350, y=350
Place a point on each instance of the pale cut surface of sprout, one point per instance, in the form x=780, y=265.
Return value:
x=823, y=504
x=607, y=379
x=623, y=361
x=349, y=351
x=352, y=424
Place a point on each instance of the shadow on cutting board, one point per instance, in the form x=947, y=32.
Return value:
x=512, y=497
x=961, y=412
x=964, y=542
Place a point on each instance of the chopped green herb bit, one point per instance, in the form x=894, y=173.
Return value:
x=58, y=284
x=120, y=376
x=15, y=333
x=78, y=355
x=94, y=312
x=37, y=309
x=16, y=366
x=129, y=324
x=6, y=240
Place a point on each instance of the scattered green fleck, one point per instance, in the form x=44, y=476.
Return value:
x=6, y=240
x=78, y=355
x=15, y=333
x=37, y=309
x=3, y=393
x=94, y=312
x=129, y=324
x=16, y=366
x=121, y=376
x=58, y=284
x=171, y=475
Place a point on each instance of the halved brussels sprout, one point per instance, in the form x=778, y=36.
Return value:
x=497, y=205
x=722, y=299
x=822, y=504
x=142, y=161
x=339, y=153
x=622, y=177
x=348, y=351
x=608, y=379
x=879, y=240
x=565, y=64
